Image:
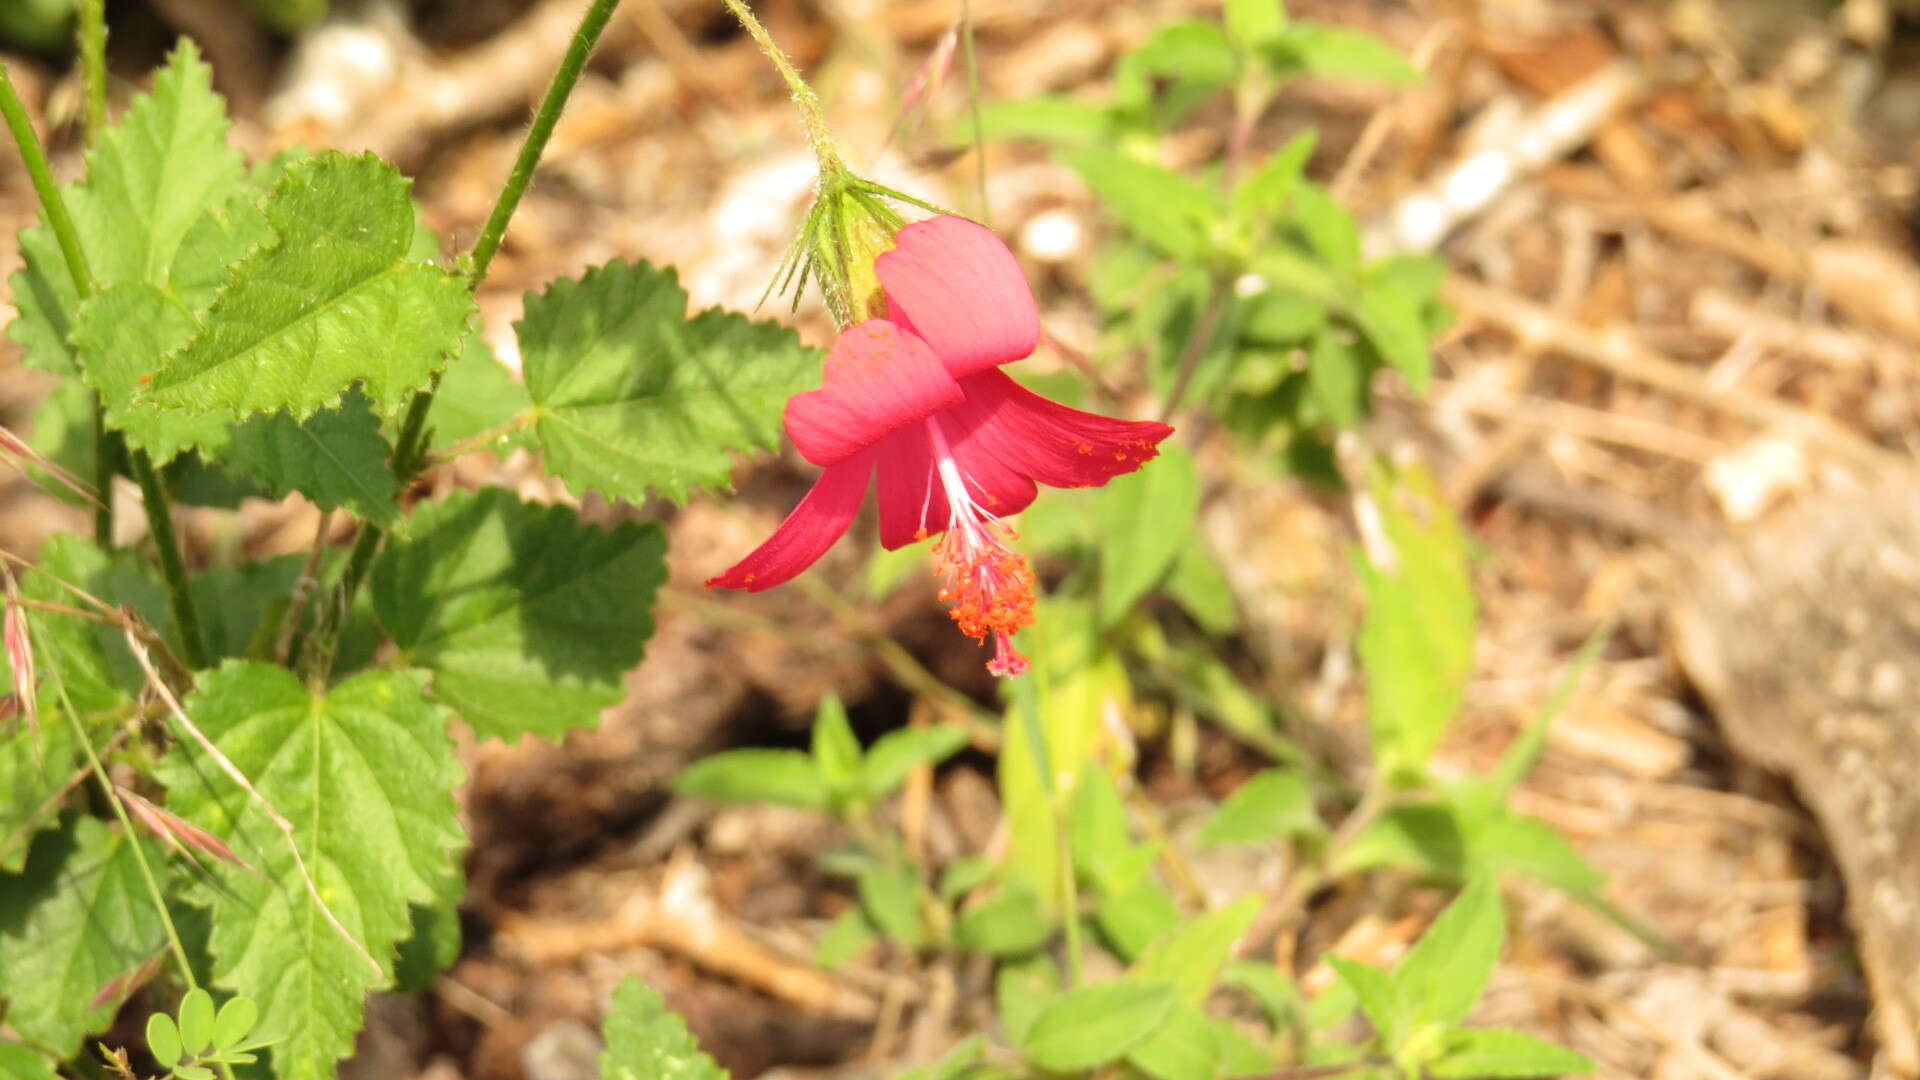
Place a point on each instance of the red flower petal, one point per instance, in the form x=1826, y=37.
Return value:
x=993, y=476
x=954, y=283
x=808, y=532
x=912, y=506
x=879, y=378
x=1053, y=444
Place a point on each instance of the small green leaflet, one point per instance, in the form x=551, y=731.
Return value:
x=647, y=1041
x=527, y=617
x=366, y=773
x=1443, y=974
x=1272, y=805
x=1170, y=211
x=1189, y=957
x=890, y=893
x=477, y=395
x=1092, y=1025
x=836, y=752
x=35, y=764
x=631, y=396
x=336, y=457
x=898, y=753
x=1183, y=1047
x=335, y=299
x=79, y=916
x=1012, y=923
x=758, y=774
x=1500, y=1054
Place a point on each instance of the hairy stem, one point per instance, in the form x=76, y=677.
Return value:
x=804, y=99
x=159, y=512
x=92, y=35
x=92, y=43
x=409, y=452
x=172, y=566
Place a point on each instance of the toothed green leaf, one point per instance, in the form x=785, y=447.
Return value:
x=336, y=298
x=366, y=775
x=336, y=457
x=648, y=1041
x=632, y=396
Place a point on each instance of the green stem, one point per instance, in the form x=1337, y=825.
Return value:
x=408, y=451
x=172, y=566
x=92, y=43
x=973, y=97
x=41, y=174
x=804, y=99
x=93, y=64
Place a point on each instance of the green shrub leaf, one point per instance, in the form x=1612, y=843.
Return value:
x=336, y=298
x=366, y=775
x=631, y=396
x=527, y=617
x=756, y=775
x=336, y=457
x=647, y=1041
x=1092, y=1025
x=1499, y=1054
x=79, y=916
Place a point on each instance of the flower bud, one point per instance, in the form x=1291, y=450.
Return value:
x=849, y=225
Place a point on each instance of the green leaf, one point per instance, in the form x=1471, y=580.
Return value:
x=963, y=875
x=1198, y=585
x=336, y=457
x=899, y=752
x=1146, y=518
x=1380, y=998
x=1190, y=956
x=155, y=172
x=1525, y=749
x=1444, y=972
x=163, y=1040
x=240, y=607
x=1195, y=51
x=44, y=299
x=528, y=618
x=366, y=775
x=1183, y=1047
x=788, y=777
x=1252, y=23
x=1160, y=206
x=836, y=752
x=1498, y=1054
x=477, y=394
x=196, y=1022
x=1394, y=324
x=1339, y=53
x=19, y=1063
x=1097, y=828
x=851, y=934
x=1133, y=920
x=1092, y=1025
x=1049, y=118
x=1272, y=805
x=951, y=1065
x=1416, y=642
x=123, y=337
x=334, y=300
x=1279, y=996
x=647, y=1041
x=1336, y=380
x=1022, y=989
x=631, y=396
x=61, y=431
x=82, y=662
x=235, y=1022
x=1011, y=924
x=1328, y=227
x=35, y=764
x=1267, y=189
x=79, y=916
x=891, y=895
x=434, y=942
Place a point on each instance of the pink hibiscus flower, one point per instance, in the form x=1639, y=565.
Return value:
x=918, y=401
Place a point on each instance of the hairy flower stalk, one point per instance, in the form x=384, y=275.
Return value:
x=914, y=405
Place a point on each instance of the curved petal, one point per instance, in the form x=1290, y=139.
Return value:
x=952, y=282
x=1048, y=441
x=912, y=504
x=808, y=531
x=879, y=378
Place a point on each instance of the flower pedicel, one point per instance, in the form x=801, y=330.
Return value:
x=916, y=403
